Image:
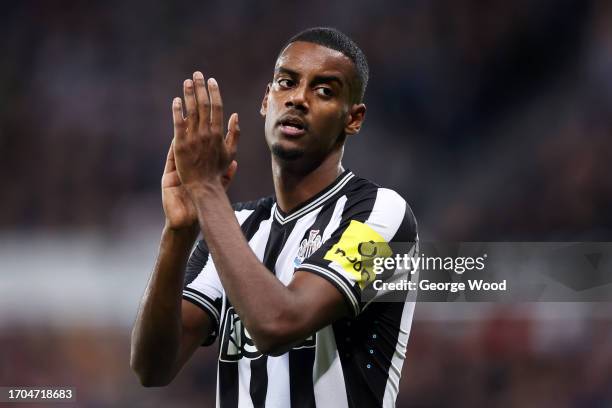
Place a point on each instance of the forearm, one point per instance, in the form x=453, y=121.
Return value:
x=263, y=303
x=156, y=335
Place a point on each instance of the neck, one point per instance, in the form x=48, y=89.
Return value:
x=293, y=187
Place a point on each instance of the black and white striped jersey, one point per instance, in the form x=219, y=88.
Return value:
x=354, y=362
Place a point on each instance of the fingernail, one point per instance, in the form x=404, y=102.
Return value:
x=198, y=75
x=188, y=83
x=212, y=81
x=176, y=101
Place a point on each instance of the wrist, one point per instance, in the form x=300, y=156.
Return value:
x=205, y=191
x=189, y=233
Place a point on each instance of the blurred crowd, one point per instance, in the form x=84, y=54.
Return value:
x=496, y=362
x=491, y=117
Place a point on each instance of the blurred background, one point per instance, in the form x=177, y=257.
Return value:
x=492, y=118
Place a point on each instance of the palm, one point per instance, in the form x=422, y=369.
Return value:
x=178, y=207
x=180, y=211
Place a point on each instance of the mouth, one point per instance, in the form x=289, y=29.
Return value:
x=292, y=125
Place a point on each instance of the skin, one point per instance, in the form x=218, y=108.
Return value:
x=311, y=82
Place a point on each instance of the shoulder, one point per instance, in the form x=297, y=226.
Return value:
x=260, y=203
x=387, y=209
x=258, y=208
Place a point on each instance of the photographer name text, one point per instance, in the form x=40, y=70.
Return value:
x=426, y=285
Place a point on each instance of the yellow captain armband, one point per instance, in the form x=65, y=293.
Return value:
x=356, y=249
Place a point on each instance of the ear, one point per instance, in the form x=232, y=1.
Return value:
x=355, y=119
x=264, y=103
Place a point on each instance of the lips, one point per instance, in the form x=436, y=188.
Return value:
x=292, y=125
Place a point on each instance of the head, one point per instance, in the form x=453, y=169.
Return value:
x=315, y=99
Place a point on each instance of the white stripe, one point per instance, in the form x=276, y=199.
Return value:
x=244, y=383
x=205, y=303
x=207, y=282
x=242, y=215
x=278, y=393
x=314, y=204
x=258, y=245
x=397, y=361
x=218, y=399
x=337, y=279
x=335, y=219
x=399, y=355
x=387, y=213
x=327, y=375
x=260, y=238
x=284, y=264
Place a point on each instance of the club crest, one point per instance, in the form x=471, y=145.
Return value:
x=308, y=246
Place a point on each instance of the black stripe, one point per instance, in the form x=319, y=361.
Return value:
x=228, y=384
x=371, y=339
x=228, y=371
x=301, y=361
x=377, y=329
x=199, y=257
x=387, y=318
x=359, y=204
x=317, y=196
x=358, y=207
x=259, y=381
x=353, y=288
x=261, y=213
x=197, y=261
x=323, y=218
x=216, y=303
x=407, y=231
x=259, y=368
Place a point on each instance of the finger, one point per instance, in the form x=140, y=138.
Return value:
x=202, y=99
x=231, y=171
x=177, y=118
x=170, y=165
x=233, y=135
x=229, y=174
x=190, y=104
x=216, y=111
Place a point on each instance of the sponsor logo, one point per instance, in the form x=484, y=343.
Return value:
x=308, y=246
x=236, y=342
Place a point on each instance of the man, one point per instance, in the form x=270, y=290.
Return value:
x=278, y=280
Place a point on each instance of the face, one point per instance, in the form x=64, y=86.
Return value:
x=307, y=107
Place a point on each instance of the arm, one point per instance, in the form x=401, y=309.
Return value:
x=275, y=316
x=167, y=329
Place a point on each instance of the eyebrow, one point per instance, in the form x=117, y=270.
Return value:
x=318, y=79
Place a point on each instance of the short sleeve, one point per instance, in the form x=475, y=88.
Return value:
x=372, y=222
x=203, y=287
x=202, y=284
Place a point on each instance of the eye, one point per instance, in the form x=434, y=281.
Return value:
x=284, y=82
x=324, y=91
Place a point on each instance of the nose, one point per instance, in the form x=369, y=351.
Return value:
x=297, y=99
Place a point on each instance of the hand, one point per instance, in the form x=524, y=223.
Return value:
x=180, y=211
x=201, y=153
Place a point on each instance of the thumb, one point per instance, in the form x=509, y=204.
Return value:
x=230, y=173
x=233, y=135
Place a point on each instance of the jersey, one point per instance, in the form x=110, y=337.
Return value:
x=354, y=362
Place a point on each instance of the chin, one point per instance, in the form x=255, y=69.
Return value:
x=286, y=153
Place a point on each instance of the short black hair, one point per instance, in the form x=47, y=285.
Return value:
x=337, y=40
